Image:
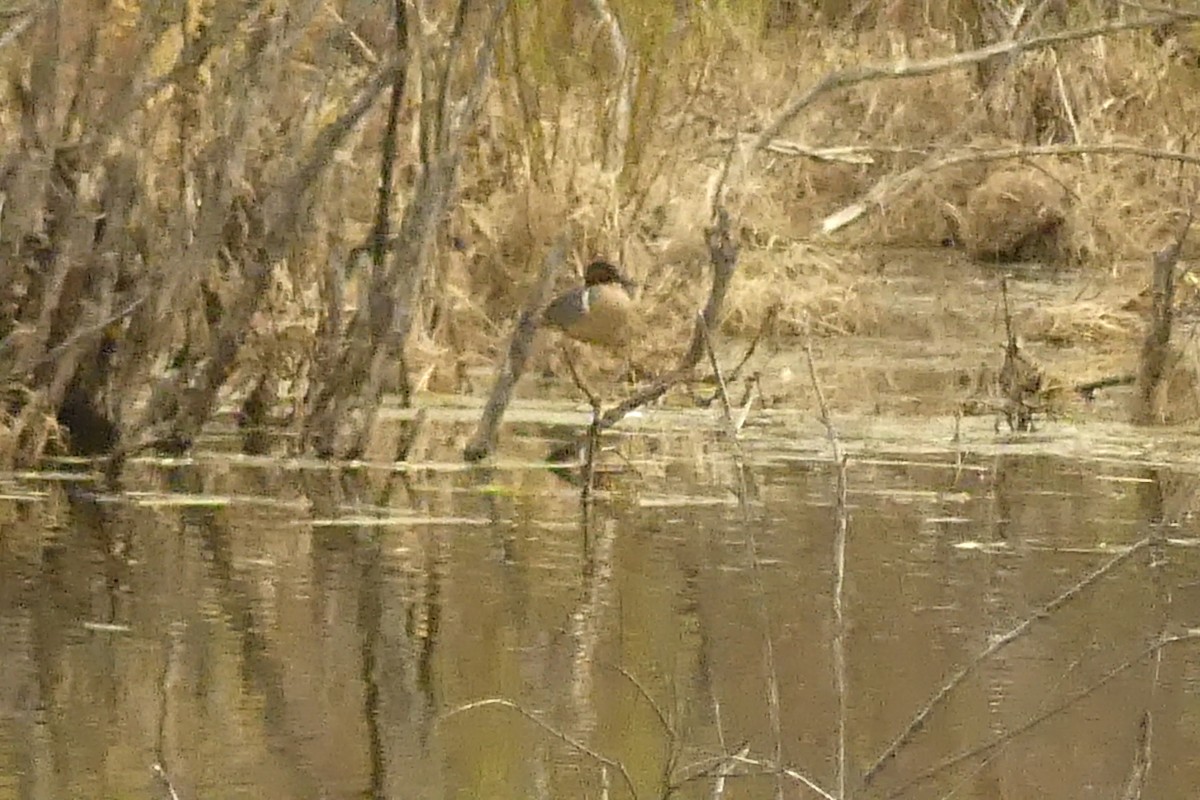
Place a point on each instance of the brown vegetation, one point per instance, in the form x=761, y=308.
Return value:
x=304, y=208
x=1015, y=215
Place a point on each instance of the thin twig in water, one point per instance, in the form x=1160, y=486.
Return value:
x=566, y=739
x=166, y=779
x=754, y=391
x=674, y=751
x=645, y=694
x=1142, y=754
x=996, y=645
x=589, y=466
x=593, y=435
x=722, y=390
x=593, y=439
x=725, y=769
x=725, y=766
x=786, y=772
x=767, y=323
x=1033, y=722
x=839, y=560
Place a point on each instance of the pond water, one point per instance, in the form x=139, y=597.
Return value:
x=226, y=627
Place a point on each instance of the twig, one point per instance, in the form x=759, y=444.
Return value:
x=842, y=517
x=753, y=391
x=382, y=227
x=972, y=154
x=409, y=433
x=82, y=333
x=570, y=741
x=787, y=772
x=168, y=680
x=996, y=645
x=725, y=764
x=1152, y=364
x=724, y=770
x=381, y=231
x=722, y=390
x=589, y=466
x=768, y=321
x=1141, y=757
x=519, y=347
x=622, y=108
x=166, y=780
x=899, y=70
x=668, y=728
x=892, y=185
x=593, y=435
x=592, y=398
x=1068, y=111
x=1033, y=722
x=1087, y=390
x=363, y=48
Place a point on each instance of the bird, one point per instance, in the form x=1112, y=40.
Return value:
x=597, y=312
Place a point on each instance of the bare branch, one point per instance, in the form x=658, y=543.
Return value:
x=576, y=744
x=997, y=644
x=900, y=70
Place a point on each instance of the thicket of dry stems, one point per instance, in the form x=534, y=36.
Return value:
x=192, y=210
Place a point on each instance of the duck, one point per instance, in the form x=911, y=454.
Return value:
x=598, y=312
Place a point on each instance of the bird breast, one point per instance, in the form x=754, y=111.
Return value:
x=596, y=315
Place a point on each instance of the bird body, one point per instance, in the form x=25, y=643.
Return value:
x=597, y=312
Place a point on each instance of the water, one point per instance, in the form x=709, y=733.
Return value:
x=229, y=627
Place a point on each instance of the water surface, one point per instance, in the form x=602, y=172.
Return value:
x=228, y=627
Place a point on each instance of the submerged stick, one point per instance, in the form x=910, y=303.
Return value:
x=593, y=437
x=842, y=517
x=575, y=744
x=997, y=644
x=767, y=323
x=1009, y=735
x=731, y=425
x=1143, y=755
x=519, y=348
x=1156, y=347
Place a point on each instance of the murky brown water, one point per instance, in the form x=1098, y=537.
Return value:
x=268, y=630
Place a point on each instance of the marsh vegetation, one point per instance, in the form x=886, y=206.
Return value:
x=262, y=262
x=225, y=205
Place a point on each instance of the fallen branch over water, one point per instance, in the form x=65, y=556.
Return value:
x=519, y=348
